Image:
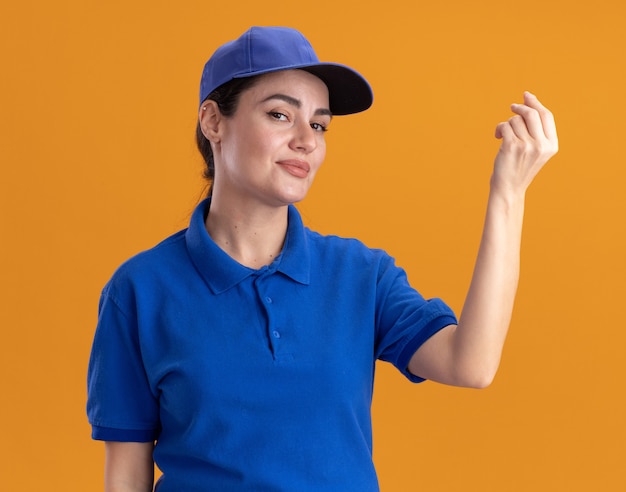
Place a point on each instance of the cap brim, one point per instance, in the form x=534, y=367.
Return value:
x=348, y=90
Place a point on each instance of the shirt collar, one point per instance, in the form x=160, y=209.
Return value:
x=221, y=272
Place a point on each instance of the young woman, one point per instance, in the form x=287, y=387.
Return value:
x=239, y=353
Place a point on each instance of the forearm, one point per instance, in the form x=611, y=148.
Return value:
x=469, y=354
x=478, y=340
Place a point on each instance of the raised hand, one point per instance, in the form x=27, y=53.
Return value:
x=529, y=139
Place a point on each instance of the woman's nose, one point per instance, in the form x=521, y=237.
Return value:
x=304, y=138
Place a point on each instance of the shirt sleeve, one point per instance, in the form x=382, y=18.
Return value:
x=405, y=319
x=120, y=403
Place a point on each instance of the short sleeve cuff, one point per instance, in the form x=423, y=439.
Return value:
x=411, y=347
x=122, y=435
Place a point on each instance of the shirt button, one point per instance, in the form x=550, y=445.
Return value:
x=268, y=300
x=276, y=334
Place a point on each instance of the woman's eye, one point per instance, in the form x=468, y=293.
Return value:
x=277, y=116
x=319, y=127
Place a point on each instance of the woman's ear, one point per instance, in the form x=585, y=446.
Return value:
x=210, y=118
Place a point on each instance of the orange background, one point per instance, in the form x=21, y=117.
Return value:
x=97, y=117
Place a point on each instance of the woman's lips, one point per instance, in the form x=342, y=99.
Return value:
x=295, y=167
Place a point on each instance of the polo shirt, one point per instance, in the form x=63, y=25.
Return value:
x=249, y=379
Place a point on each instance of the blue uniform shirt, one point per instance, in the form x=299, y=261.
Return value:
x=253, y=379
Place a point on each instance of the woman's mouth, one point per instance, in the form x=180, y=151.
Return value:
x=296, y=167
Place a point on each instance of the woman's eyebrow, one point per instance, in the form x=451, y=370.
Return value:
x=296, y=103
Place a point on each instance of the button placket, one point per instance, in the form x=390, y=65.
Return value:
x=272, y=332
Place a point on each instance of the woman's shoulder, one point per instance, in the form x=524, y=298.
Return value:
x=151, y=262
x=344, y=247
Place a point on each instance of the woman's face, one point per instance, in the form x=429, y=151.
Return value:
x=269, y=151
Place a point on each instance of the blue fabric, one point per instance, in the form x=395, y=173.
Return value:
x=253, y=379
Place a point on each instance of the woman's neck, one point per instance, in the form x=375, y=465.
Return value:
x=251, y=235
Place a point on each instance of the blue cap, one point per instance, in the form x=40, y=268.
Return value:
x=262, y=50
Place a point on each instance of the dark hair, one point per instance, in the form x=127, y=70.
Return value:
x=227, y=97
